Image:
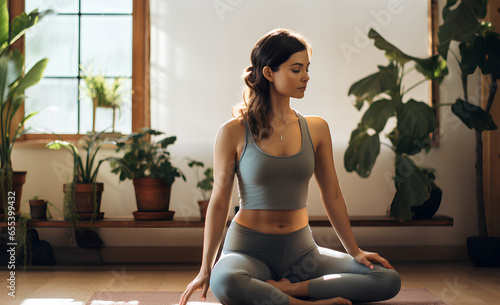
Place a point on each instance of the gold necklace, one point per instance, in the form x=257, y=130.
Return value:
x=284, y=127
x=281, y=134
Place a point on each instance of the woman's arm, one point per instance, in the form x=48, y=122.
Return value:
x=331, y=195
x=224, y=161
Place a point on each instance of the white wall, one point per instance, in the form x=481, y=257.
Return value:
x=199, y=50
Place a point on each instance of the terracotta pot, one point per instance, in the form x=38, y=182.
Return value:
x=84, y=197
x=152, y=194
x=38, y=209
x=19, y=178
x=203, y=208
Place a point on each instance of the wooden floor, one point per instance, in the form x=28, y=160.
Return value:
x=458, y=283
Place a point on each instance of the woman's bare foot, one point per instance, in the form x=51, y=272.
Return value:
x=337, y=300
x=283, y=285
x=295, y=289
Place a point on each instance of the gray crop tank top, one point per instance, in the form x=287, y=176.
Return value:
x=272, y=182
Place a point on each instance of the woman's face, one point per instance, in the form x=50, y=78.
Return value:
x=292, y=76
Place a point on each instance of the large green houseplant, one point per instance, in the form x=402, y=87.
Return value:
x=386, y=95
x=479, y=47
x=14, y=80
x=148, y=164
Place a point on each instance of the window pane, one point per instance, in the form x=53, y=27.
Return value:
x=107, y=42
x=60, y=6
x=55, y=38
x=107, y=6
x=104, y=116
x=56, y=103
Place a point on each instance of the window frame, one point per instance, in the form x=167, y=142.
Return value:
x=140, y=72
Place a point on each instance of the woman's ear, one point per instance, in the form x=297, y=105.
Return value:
x=268, y=73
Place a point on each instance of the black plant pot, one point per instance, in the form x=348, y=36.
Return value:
x=430, y=206
x=88, y=238
x=484, y=251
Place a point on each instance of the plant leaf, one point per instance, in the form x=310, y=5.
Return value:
x=461, y=23
x=4, y=23
x=391, y=52
x=431, y=68
x=412, y=188
x=11, y=69
x=378, y=113
x=58, y=144
x=167, y=141
x=372, y=85
x=492, y=56
x=472, y=55
x=24, y=21
x=472, y=116
x=416, y=120
x=362, y=152
x=31, y=78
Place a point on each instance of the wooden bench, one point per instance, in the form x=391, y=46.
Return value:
x=314, y=221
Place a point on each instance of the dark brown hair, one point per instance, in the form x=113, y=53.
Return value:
x=271, y=50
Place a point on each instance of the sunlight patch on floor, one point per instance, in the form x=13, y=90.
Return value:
x=99, y=302
x=51, y=301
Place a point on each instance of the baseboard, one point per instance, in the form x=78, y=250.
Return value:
x=192, y=255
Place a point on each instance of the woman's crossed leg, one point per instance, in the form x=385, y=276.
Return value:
x=239, y=279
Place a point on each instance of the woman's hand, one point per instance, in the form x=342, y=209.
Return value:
x=364, y=257
x=202, y=281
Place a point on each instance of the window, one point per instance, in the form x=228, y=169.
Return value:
x=111, y=36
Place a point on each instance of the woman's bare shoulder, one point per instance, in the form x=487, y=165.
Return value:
x=232, y=130
x=232, y=127
x=316, y=122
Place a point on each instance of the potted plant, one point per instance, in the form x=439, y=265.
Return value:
x=205, y=185
x=39, y=208
x=23, y=236
x=102, y=93
x=32, y=250
x=13, y=81
x=386, y=95
x=479, y=47
x=82, y=195
x=147, y=164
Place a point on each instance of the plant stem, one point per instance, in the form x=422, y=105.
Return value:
x=464, y=86
x=442, y=104
x=414, y=86
x=385, y=144
x=481, y=216
x=493, y=90
x=400, y=81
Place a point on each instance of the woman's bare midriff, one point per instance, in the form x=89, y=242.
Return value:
x=273, y=221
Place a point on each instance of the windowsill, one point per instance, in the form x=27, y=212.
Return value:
x=40, y=141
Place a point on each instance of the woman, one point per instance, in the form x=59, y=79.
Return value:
x=269, y=255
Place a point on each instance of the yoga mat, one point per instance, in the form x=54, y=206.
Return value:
x=405, y=297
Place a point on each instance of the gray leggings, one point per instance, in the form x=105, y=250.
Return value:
x=249, y=258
